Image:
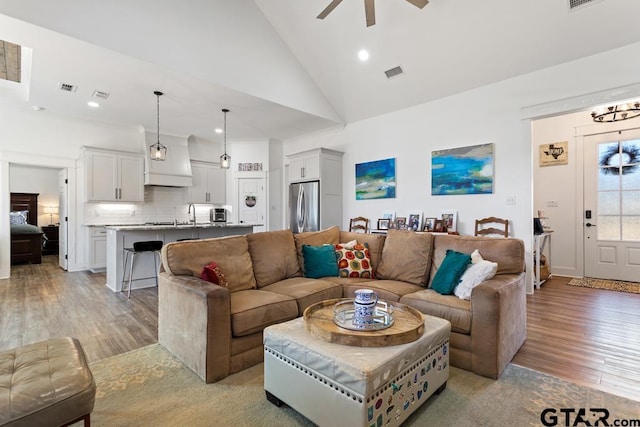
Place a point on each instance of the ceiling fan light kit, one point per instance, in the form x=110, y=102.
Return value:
x=369, y=9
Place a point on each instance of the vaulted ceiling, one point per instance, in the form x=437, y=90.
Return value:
x=281, y=71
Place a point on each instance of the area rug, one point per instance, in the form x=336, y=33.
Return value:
x=150, y=387
x=611, y=285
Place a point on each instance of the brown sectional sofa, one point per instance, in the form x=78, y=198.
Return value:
x=217, y=330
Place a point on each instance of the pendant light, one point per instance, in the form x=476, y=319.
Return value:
x=157, y=150
x=225, y=159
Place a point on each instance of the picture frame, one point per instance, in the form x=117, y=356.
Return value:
x=390, y=215
x=414, y=220
x=429, y=224
x=401, y=223
x=393, y=225
x=383, y=223
x=450, y=220
x=437, y=227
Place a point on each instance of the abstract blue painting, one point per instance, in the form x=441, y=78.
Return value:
x=376, y=180
x=465, y=170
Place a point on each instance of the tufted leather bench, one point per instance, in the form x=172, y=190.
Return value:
x=46, y=384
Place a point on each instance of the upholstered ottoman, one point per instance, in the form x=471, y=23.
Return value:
x=333, y=384
x=46, y=384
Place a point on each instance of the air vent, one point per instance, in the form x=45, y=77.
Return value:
x=573, y=4
x=393, y=72
x=67, y=87
x=100, y=94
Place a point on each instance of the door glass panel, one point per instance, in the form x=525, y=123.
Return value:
x=608, y=203
x=619, y=190
x=631, y=202
x=631, y=228
x=608, y=227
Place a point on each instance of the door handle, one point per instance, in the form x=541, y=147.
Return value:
x=590, y=225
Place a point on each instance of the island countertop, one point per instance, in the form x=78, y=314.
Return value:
x=150, y=227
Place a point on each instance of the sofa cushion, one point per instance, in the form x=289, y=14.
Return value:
x=255, y=309
x=274, y=256
x=319, y=261
x=375, y=242
x=450, y=307
x=315, y=238
x=354, y=261
x=452, y=268
x=230, y=253
x=306, y=291
x=508, y=253
x=387, y=290
x=406, y=256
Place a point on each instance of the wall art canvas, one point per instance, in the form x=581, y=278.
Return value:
x=376, y=180
x=465, y=170
x=554, y=154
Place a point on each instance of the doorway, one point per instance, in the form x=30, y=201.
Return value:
x=612, y=205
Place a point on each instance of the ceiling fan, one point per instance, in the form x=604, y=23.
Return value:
x=369, y=9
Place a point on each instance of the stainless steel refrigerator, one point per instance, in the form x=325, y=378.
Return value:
x=304, y=206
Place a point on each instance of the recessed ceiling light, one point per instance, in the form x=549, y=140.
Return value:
x=363, y=55
x=218, y=130
x=93, y=104
x=37, y=108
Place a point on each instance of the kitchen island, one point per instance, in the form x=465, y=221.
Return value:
x=123, y=236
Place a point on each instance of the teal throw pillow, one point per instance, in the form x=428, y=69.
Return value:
x=319, y=261
x=452, y=268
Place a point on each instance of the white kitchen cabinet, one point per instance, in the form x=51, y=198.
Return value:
x=322, y=165
x=113, y=176
x=97, y=249
x=305, y=166
x=209, y=183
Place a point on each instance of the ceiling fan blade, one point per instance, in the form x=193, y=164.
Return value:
x=327, y=10
x=419, y=3
x=370, y=12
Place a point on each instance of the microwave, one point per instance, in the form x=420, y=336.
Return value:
x=219, y=215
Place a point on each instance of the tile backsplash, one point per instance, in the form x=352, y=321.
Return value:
x=162, y=204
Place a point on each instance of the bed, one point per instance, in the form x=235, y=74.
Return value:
x=26, y=237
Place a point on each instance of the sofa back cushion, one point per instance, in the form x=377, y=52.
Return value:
x=406, y=256
x=315, y=238
x=508, y=253
x=231, y=254
x=274, y=256
x=375, y=242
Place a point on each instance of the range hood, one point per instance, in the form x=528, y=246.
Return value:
x=175, y=171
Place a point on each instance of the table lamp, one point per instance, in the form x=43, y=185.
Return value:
x=51, y=210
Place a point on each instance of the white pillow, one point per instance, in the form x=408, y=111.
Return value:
x=478, y=271
x=350, y=244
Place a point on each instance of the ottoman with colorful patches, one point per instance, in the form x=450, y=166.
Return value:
x=333, y=384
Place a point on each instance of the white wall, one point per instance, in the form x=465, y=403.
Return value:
x=491, y=114
x=43, y=181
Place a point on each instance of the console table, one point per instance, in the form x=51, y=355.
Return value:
x=540, y=241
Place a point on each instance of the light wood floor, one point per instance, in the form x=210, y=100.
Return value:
x=587, y=336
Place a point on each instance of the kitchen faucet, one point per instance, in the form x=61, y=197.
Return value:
x=191, y=205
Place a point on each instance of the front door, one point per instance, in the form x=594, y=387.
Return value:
x=612, y=205
x=251, y=201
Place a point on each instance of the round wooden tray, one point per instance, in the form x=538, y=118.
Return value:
x=407, y=327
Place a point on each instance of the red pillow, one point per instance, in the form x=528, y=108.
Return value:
x=212, y=273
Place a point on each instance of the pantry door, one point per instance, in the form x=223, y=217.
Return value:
x=251, y=202
x=611, y=220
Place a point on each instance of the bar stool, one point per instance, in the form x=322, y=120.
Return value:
x=153, y=246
